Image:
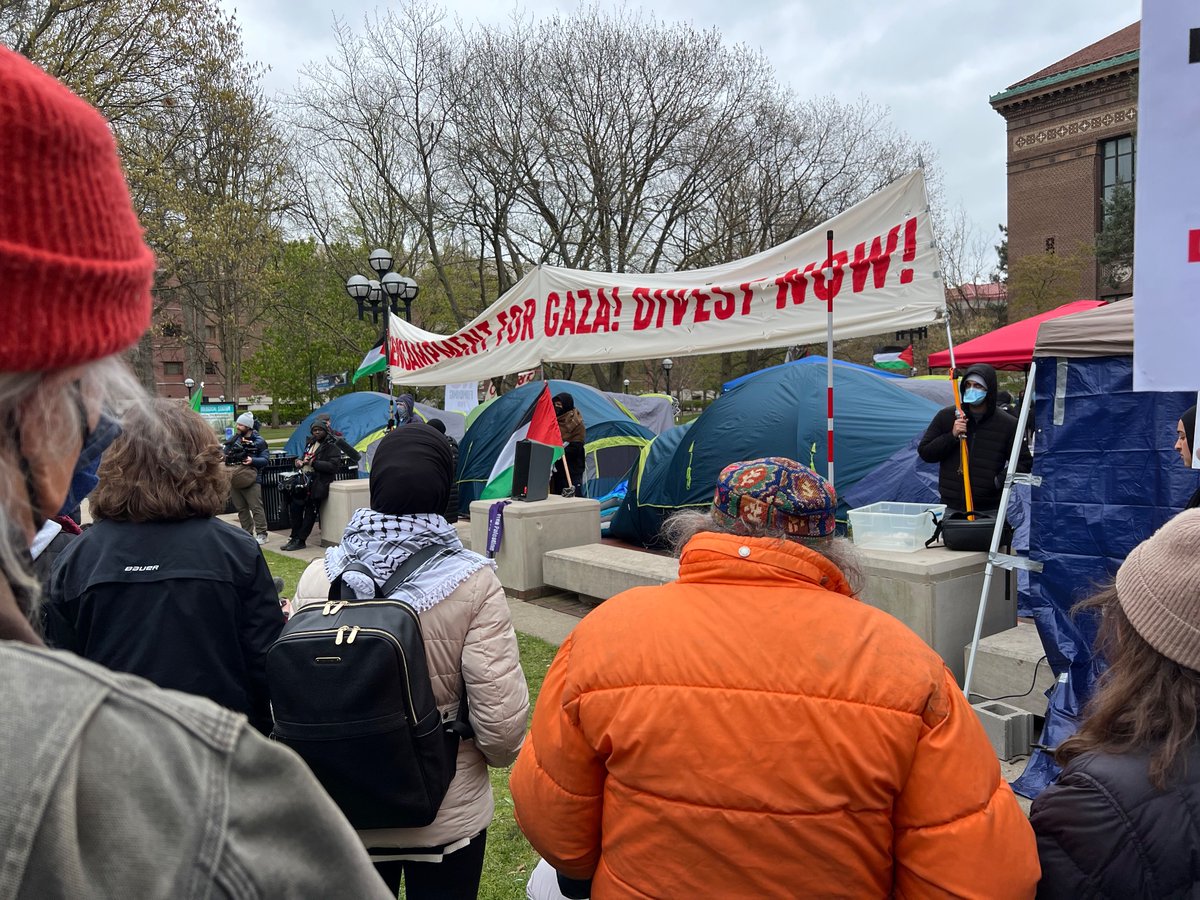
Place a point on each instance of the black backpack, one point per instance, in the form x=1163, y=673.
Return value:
x=350, y=692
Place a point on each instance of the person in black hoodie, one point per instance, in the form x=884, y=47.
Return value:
x=1122, y=818
x=452, y=503
x=988, y=431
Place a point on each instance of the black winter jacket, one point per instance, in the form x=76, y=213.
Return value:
x=188, y=605
x=325, y=464
x=1104, y=831
x=452, y=504
x=989, y=442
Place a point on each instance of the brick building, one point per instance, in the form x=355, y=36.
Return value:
x=1072, y=135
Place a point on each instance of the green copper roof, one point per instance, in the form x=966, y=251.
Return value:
x=1110, y=63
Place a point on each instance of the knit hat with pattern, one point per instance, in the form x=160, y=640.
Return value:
x=775, y=493
x=75, y=273
x=1158, y=587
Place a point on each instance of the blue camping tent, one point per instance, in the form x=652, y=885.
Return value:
x=490, y=431
x=1110, y=479
x=781, y=412
x=807, y=361
x=641, y=513
x=358, y=414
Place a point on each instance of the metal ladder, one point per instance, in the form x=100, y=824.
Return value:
x=996, y=559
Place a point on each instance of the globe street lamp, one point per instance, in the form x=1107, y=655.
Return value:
x=626, y=385
x=386, y=293
x=667, y=364
x=189, y=383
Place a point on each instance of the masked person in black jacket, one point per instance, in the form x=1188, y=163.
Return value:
x=318, y=463
x=452, y=503
x=159, y=587
x=988, y=431
x=1123, y=817
x=1185, y=440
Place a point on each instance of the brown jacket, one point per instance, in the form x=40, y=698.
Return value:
x=468, y=636
x=570, y=424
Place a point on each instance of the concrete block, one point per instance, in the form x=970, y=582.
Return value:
x=531, y=529
x=597, y=571
x=1005, y=666
x=935, y=592
x=1008, y=728
x=345, y=497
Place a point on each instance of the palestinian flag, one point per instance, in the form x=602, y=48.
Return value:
x=896, y=362
x=373, y=362
x=538, y=424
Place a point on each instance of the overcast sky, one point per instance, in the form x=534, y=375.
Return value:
x=933, y=63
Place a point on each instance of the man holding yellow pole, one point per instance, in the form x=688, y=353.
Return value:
x=971, y=442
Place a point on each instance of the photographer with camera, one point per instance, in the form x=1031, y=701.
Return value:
x=246, y=453
x=310, y=486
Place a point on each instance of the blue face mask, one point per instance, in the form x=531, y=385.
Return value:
x=974, y=395
x=95, y=442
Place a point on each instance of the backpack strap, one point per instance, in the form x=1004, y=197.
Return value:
x=339, y=590
x=461, y=725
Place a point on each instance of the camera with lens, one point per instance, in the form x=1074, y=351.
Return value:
x=236, y=453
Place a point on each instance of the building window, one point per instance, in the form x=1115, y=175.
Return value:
x=1050, y=245
x=171, y=330
x=172, y=368
x=210, y=367
x=210, y=332
x=1117, y=158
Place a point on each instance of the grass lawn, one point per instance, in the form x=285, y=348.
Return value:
x=276, y=435
x=509, y=859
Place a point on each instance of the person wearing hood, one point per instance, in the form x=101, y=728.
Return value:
x=469, y=641
x=989, y=432
x=1185, y=441
x=570, y=425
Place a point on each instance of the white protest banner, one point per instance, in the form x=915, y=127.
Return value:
x=462, y=397
x=885, y=278
x=1166, y=274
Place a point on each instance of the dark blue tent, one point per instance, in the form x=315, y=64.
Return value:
x=807, y=361
x=781, y=412
x=1110, y=479
x=488, y=434
x=357, y=415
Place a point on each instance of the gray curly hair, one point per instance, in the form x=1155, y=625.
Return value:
x=686, y=524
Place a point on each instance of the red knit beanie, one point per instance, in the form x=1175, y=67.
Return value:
x=75, y=273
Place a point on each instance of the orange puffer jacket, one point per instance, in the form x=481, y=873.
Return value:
x=751, y=730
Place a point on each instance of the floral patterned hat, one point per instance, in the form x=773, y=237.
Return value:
x=775, y=493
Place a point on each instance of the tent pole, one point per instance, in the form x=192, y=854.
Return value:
x=993, y=557
x=964, y=451
x=829, y=355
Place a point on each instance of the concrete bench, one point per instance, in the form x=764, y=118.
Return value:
x=597, y=571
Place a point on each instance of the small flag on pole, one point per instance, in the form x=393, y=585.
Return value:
x=895, y=362
x=197, y=398
x=538, y=424
x=373, y=362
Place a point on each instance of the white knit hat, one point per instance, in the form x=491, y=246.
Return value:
x=246, y=419
x=1158, y=587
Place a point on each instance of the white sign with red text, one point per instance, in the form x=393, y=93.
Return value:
x=885, y=277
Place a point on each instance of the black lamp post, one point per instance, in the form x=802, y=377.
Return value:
x=667, y=364
x=386, y=293
x=626, y=382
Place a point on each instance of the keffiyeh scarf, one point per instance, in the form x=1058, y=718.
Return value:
x=382, y=543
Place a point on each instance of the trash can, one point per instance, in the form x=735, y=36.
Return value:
x=275, y=502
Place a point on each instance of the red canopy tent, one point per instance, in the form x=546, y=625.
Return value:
x=1010, y=347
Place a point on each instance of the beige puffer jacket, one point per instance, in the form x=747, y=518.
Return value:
x=468, y=635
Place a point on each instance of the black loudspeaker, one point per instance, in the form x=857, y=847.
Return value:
x=531, y=470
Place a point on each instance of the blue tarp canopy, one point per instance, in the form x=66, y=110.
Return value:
x=490, y=431
x=781, y=412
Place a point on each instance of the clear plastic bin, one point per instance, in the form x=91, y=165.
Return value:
x=895, y=526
